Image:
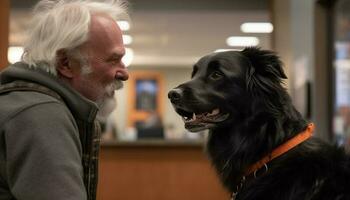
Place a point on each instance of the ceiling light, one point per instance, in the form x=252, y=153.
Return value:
x=242, y=41
x=257, y=27
x=123, y=25
x=14, y=54
x=128, y=57
x=127, y=39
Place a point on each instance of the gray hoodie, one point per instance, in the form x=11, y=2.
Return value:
x=48, y=146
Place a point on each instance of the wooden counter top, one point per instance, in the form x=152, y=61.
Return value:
x=155, y=143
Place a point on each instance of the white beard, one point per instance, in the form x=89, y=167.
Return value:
x=108, y=102
x=106, y=107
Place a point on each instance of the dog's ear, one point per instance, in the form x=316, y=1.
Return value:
x=265, y=70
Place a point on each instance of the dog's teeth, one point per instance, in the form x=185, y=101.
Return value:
x=194, y=116
x=215, y=111
x=185, y=118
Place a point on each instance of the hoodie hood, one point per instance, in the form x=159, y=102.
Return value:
x=81, y=107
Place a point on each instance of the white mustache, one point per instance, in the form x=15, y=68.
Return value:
x=116, y=85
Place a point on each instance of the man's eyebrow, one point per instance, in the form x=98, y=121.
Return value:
x=115, y=55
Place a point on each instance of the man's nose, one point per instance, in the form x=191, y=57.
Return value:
x=122, y=74
x=175, y=95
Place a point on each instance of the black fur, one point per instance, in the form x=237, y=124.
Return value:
x=248, y=85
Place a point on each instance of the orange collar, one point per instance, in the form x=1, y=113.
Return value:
x=301, y=137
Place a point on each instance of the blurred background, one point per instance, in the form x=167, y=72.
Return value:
x=146, y=152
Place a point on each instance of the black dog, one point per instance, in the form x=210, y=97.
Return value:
x=258, y=142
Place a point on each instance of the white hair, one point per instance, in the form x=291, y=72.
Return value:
x=64, y=25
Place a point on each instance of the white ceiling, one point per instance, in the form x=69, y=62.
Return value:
x=167, y=37
x=177, y=38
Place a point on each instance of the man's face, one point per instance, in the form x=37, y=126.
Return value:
x=104, y=51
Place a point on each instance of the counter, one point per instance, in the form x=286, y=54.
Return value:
x=157, y=170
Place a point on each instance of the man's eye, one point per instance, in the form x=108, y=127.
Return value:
x=216, y=75
x=114, y=61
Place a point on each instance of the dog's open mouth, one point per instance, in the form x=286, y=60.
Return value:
x=195, y=122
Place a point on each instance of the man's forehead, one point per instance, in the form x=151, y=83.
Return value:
x=104, y=28
x=105, y=37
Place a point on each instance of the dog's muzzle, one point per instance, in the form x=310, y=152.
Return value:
x=175, y=95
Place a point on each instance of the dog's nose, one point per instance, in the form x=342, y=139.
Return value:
x=175, y=95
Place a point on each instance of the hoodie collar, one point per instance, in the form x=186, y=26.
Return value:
x=81, y=107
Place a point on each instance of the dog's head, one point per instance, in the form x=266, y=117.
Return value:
x=227, y=86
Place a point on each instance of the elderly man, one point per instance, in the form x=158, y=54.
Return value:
x=72, y=65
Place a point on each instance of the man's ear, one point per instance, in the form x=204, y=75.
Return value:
x=63, y=66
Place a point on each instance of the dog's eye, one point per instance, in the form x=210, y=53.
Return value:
x=216, y=75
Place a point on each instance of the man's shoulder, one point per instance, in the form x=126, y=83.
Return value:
x=17, y=101
x=25, y=98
